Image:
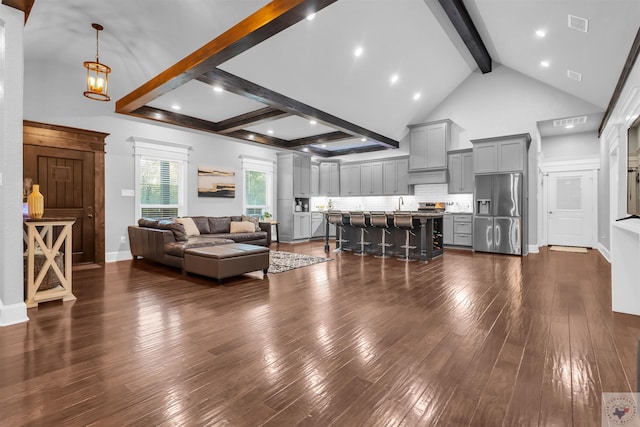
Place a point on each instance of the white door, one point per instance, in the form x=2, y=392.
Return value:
x=570, y=206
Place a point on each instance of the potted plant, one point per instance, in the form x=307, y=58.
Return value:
x=267, y=216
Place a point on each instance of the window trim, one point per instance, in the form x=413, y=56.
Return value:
x=161, y=150
x=259, y=165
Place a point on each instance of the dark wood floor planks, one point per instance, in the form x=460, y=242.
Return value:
x=467, y=339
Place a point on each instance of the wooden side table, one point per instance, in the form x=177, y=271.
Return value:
x=276, y=223
x=39, y=237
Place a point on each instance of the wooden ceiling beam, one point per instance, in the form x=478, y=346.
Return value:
x=240, y=86
x=23, y=5
x=258, y=137
x=356, y=150
x=251, y=118
x=459, y=16
x=271, y=19
x=173, y=118
x=319, y=139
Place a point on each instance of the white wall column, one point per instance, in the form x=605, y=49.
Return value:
x=12, y=306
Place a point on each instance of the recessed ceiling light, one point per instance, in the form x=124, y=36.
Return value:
x=568, y=127
x=358, y=52
x=394, y=78
x=544, y=64
x=305, y=149
x=217, y=89
x=312, y=122
x=324, y=145
x=541, y=33
x=416, y=96
x=251, y=136
x=311, y=16
x=270, y=131
x=175, y=107
x=363, y=139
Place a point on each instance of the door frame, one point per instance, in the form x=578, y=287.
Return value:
x=576, y=164
x=63, y=137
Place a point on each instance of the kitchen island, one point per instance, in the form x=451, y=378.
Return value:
x=426, y=235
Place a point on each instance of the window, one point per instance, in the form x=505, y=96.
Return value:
x=257, y=178
x=161, y=181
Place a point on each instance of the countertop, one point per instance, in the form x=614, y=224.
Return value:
x=416, y=214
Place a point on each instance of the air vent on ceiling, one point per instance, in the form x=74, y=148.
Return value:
x=574, y=75
x=579, y=24
x=570, y=121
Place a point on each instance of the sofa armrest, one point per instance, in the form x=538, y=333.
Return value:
x=266, y=226
x=148, y=242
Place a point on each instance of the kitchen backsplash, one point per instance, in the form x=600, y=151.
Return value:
x=423, y=193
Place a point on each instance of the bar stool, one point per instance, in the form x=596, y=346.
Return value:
x=404, y=221
x=380, y=220
x=359, y=220
x=336, y=219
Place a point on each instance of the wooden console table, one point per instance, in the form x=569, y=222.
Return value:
x=39, y=237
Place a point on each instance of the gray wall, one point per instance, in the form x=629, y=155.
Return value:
x=577, y=144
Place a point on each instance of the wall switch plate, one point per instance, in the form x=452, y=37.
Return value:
x=127, y=193
x=123, y=239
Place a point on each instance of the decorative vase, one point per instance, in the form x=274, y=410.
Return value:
x=35, y=202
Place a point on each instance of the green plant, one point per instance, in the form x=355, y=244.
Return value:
x=266, y=215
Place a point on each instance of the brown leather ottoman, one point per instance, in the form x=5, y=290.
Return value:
x=224, y=261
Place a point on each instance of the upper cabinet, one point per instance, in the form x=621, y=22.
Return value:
x=429, y=143
x=350, y=180
x=371, y=179
x=460, y=168
x=301, y=176
x=501, y=154
x=315, y=179
x=329, y=179
x=395, y=177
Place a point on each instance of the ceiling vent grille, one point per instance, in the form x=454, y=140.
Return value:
x=578, y=24
x=570, y=121
x=574, y=75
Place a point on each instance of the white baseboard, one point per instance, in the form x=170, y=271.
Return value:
x=13, y=313
x=117, y=256
x=605, y=252
x=534, y=249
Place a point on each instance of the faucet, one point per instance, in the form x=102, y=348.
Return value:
x=400, y=202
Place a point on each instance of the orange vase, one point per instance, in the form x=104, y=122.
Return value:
x=35, y=202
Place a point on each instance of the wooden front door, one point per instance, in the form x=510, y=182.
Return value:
x=66, y=179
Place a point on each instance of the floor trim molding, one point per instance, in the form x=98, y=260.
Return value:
x=605, y=252
x=13, y=314
x=534, y=249
x=118, y=256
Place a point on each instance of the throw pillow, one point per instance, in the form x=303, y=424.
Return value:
x=178, y=229
x=219, y=225
x=252, y=219
x=189, y=226
x=242, y=227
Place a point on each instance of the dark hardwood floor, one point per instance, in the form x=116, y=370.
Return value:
x=468, y=339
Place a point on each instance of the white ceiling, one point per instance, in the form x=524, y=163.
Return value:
x=313, y=61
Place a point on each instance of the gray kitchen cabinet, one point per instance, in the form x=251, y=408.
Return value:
x=429, y=143
x=460, y=167
x=371, y=179
x=301, y=225
x=501, y=154
x=329, y=179
x=315, y=180
x=463, y=229
x=395, y=174
x=301, y=176
x=447, y=233
x=317, y=224
x=350, y=180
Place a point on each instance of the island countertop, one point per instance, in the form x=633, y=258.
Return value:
x=416, y=214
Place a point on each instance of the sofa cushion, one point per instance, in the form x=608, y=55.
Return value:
x=202, y=222
x=254, y=220
x=189, y=226
x=178, y=229
x=219, y=224
x=236, y=218
x=242, y=227
x=244, y=237
x=148, y=222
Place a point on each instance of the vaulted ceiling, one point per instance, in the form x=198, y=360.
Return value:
x=313, y=62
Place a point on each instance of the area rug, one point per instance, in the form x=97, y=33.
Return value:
x=569, y=249
x=284, y=261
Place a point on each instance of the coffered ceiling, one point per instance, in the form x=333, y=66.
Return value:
x=337, y=102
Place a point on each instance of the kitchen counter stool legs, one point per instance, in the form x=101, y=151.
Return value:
x=404, y=221
x=336, y=219
x=358, y=220
x=380, y=220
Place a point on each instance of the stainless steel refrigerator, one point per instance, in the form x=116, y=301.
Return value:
x=497, y=221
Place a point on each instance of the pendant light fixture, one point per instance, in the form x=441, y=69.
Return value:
x=97, y=75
